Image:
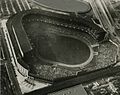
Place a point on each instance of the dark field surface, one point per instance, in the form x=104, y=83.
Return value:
x=54, y=47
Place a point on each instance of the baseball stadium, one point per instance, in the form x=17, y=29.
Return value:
x=55, y=44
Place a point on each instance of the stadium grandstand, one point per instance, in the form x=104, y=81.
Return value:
x=29, y=48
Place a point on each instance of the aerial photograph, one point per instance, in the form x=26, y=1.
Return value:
x=59, y=47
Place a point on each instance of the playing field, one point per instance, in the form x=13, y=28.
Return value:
x=54, y=47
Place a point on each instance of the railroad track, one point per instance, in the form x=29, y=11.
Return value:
x=9, y=7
